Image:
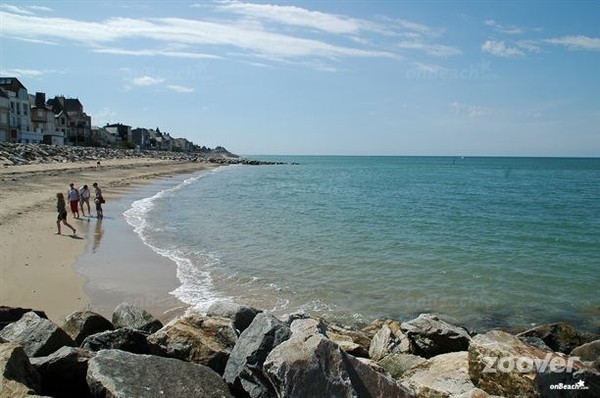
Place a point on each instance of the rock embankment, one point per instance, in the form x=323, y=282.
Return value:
x=23, y=154
x=238, y=351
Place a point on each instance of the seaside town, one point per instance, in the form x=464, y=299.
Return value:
x=35, y=119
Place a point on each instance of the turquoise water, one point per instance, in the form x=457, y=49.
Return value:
x=486, y=241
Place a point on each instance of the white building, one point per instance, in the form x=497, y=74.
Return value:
x=19, y=121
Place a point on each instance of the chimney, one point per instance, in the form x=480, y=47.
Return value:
x=40, y=100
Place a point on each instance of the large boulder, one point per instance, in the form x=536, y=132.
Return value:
x=352, y=341
x=244, y=370
x=81, y=324
x=127, y=315
x=38, y=336
x=241, y=315
x=589, y=352
x=397, y=364
x=445, y=375
x=430, y=336
x=204, y=340
x=308, y=364
x=17, y=377
x=502, y=364
x=13, y=314
x=64, y=372
x=560, y=336
x=115, y=373
x=125, y=339
x=387, y=340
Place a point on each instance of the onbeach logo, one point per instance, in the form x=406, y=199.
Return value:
x=550, y=363
x=580, y=385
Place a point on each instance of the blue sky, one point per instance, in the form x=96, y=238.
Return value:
x=324, y=77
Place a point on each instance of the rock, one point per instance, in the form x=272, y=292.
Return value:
x=398, y=363
x=128, y=315
x=502, y=364
x=430, y=336
x=125, y=339
x=560, y=336
x=241, y=315
x=115, y=373
x=13, y=314
x=536, y=342
x=310, y=365
x=445, y=375
x=388, y=339
x=354, y=342
x=588, y=352
x=17, y=376
x=82, y=324
x=244, y=370
x=63, y=373
x=38, y=336
x=204, y=340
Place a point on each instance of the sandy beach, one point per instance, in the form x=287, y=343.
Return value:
x=37, y=265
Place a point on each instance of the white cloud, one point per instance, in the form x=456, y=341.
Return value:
x=153, y=53
x=439, y=50
x=500, y=49
x=471, y=111
x=18, y=72
x=579, y=42
x=147, y=81
x=513, y=30
x=180, y=89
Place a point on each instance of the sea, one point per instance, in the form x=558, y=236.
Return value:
x=482, y=241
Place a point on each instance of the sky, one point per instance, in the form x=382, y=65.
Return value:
x=354, y=77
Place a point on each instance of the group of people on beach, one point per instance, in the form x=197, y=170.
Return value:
x=78, y=197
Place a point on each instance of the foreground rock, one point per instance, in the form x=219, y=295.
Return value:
x=38, y=336
x=114, y=373
x=125, y=339
x=204, y=340
x=241, y=315
x=17, y=377
x=430, y=336
x=502, y=364
x=128, y=315
x=244, y=371
x=13, y=314
x=310, y=365
x=82, y=324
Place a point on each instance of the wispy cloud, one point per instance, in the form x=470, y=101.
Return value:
x=438, y=50
x=509, y=29
x=24, y=10
x=180, y=89
x=580, y=42
x=154, y=53
x=16, y=72
x=501, y=49
x=471, y=111
x=146, y=81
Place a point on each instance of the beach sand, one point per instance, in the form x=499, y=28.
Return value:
x=37, y=265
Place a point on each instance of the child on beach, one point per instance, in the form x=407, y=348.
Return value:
x=98, y=200
x=62, y=213
x=73, y=195
x=84, y=198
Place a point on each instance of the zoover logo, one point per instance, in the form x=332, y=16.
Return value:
x=550, y=363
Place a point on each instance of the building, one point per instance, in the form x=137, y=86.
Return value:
x=121, y=130
x=182, y=145
x=4, y=116
x=71, y=120
x=43, y=120
x=141, y=137
x=19, y=122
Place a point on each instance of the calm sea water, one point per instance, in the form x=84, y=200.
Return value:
x=486, y=241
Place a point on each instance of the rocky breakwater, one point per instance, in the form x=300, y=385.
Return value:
x=238, y=351
x=23, y=154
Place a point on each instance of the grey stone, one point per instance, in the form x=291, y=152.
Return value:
x=81, y=324
x=13, y=314
x=430, y=336
x=588, y=352
x=119, y=374
x=244, y=370
x=17, y=376
x=204, y=340
x=240, y=315
x=64, y=372
x=38, y=336
x=397, y=364
x=560, y=336
x=128, y=315
x=125, y=339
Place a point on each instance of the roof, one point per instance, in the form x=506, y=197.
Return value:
x=11, y=84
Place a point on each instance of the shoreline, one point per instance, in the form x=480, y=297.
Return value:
x=38, y=266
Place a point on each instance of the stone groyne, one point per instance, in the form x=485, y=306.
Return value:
x=239, y=351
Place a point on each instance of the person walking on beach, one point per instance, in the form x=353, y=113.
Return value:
x=84, y=198
x=98, y=200
x=62, y=213
x=73, y=195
